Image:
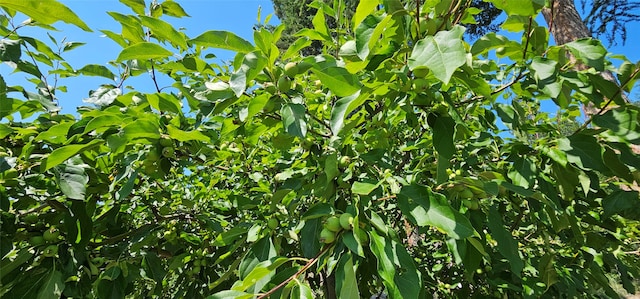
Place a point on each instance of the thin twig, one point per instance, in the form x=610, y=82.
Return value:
x=305, y=268
x=617, y=93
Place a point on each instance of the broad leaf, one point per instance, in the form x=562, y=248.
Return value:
x=507, y=245
x=294, y=119
x=45, y=12
x=61, y=154
x=426, y=208
x=223, y=40
x=442, y=53
x=143, y=51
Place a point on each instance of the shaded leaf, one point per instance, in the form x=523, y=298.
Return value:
x=424, y=207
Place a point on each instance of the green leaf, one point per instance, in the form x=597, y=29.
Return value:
x=164, y=31
x=294, y=119
x=164, y=102
x=442, y=53
x=52, y=287
x=364, y=188
x=519, y=7
x=8, y=265
x=590, y=51
x=56, y=134
x=295, y=47
x=230, y=236
x=620, y=201
x=343, y=107
x=583, y=151
x=364, y=9
x=396, y=268
x=46, y=12
x=61, y=154
x=72, y=178
x=138, y=6
x=507, y=245
x=97, y=70
x=104, y=95
x=172, y=8
x=522, y=173
x=143, y=51
x=183, y=136
x=223, y=40
x=426, y=208
x=443, y=133
x=10, y=50
x=622, y=122
x=141, y=128
x=338, y=80
x=346, y=279
x=231, y=294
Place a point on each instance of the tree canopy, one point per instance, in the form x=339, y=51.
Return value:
x=402, y=160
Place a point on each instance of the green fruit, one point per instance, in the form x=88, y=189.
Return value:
x=327, y=236
x=196, y=270
x=344, y=161
x=36, y=240
x=466, y=194
x=164, y=142
x=284, y=84
x=420, y=72
x=51, y=235
x=168, y=152
x=153, y=155
x=361, y=147
x=273, y=223
x=30, y=218
x=333, y=224
x=346, y=221
x=420, y=84
x=472, y=204
x=50, y=251
x=269, y=87
x=291, y=69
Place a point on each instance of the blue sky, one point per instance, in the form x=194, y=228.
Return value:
x=237, y=16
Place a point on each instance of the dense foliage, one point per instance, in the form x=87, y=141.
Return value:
x=403, y=160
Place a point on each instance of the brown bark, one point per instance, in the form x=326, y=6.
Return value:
x=566, y=26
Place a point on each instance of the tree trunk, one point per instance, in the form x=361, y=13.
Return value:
x=566, y=26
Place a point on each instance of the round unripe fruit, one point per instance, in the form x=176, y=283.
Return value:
x=50, y=251
x=51, y=235
x=472, y=204
x=466, y=194
x=327, y=236
x=166, y=142
x=196, y=270
x=36, y=240
x=346, y=221
x=273, y=223
x=420, y=72
x=284, y=84
x=30, y=218
x=291, y=69
x=333, y=224
x=153, y=155
x=168, y=152
x=344, y=161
